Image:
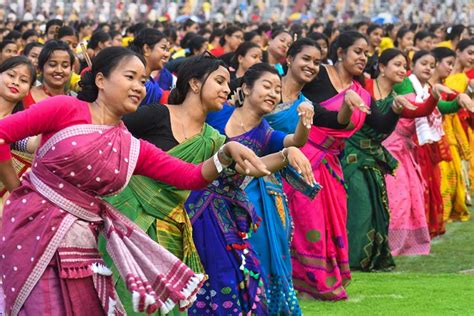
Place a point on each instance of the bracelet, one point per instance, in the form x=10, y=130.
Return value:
x=285, y=157
x=225, y=157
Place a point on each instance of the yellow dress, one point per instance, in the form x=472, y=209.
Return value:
x=453, y=185
x=386, y=43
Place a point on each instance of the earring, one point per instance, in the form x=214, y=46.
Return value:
x=383, y=74
x=339, y=59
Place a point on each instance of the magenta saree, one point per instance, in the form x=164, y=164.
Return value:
x=48, y=244
x=319, y=248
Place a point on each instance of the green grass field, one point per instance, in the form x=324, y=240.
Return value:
x=438, y=284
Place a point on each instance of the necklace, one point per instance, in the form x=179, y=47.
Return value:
x=378, y=89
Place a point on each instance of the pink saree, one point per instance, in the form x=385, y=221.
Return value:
x=408, y=232
x=319, y=249
x=50, y=264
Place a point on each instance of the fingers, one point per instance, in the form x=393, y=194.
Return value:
x=251, y=160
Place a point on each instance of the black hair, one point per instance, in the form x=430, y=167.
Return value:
x=465, y=43
x=419, y=54
x=114, y=33
x=228, y=32
x=82, y=25
x=316, y=36
x=171, y=34
x=30, y=46
x=194, y=44
x=421, y=35
x=264, y=28
x=28, y=34
x=454, y=32
x=242, y=50
x=359, y=24
x=188, y=23
x=13, y=35
x=434, y=27
x=315, y=26
x=401, y=33
x=105, y=63
x=49, y=48
x=373, y=27
x=66, y=31
x=4, y=43
x=147, y=36
x=298, y=45
x=441, y=53
x=198, y=67
x=14, y=61
x=254, y=73
x=248, y=36
x=344, y=41
x=216, y=33
x=276, y=32
x=53, y=22
x=390, y=54
x=388, y=29
x=186, y=38
x=98, y=37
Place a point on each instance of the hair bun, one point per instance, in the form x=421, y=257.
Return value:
x=89, y=90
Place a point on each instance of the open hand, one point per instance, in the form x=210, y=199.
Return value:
x=246, y=162
x=439, y=89
x=466, y=102
x=306, y=112
x=301, y=163
x=354, y=101
x=400, y=103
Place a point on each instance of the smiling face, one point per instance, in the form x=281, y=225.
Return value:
x=124, y=88
x=278, y=46
x=215, y=90
x=424, y=68
x=15, y=83
x=265, y=93
x=396, y=69
x=354, y=59
x=57, y=70
x=304, y=67
x=159, y=55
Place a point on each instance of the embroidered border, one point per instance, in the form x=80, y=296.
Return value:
x=62, y=202
x=42, y=263
x=71, y=131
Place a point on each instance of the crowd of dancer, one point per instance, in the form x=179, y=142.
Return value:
x=225, y=170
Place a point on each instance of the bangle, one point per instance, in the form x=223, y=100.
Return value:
x=285, y=156
x=225, y=160
x=222, y=153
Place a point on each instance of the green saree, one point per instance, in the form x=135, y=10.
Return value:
x=364, y=164
x=159, y=208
